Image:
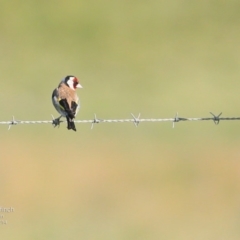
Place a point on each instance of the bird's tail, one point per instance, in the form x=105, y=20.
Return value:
x=71, y=124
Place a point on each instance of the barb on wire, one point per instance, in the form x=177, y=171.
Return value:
x=176, y=119
x=216, y=119
x=136, y=120
x=95, y=120
x=13, y=122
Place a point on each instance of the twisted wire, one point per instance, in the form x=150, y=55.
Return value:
x=136, y=120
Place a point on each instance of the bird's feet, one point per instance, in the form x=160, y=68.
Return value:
x=56, y=121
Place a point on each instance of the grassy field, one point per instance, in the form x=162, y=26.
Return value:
x=117, y=181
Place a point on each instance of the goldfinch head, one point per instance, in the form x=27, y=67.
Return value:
x=72, y=82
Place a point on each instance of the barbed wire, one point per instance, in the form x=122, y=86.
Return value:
x=136, y=120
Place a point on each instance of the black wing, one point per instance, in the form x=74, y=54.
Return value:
x=74, y=107
x=64, y=104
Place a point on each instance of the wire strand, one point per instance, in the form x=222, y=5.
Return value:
x=136, y=120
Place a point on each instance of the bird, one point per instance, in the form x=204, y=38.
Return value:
x=66, y=101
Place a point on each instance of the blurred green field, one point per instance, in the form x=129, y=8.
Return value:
x=117, y=181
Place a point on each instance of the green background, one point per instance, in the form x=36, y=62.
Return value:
x=118, y=181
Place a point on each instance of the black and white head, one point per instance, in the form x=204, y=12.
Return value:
x=72, y=82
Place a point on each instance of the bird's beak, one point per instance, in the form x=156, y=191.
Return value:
x=79, y=86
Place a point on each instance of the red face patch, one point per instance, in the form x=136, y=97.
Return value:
x=75, y=83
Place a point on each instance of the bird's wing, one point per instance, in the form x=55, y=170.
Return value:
x=65, y=106
x=74, y=107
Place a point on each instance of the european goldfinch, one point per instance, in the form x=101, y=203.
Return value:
x=66, y=101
